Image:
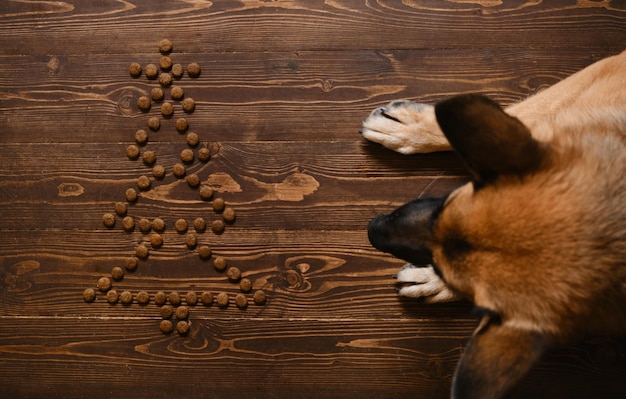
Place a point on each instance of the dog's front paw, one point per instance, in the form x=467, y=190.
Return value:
x=424, y=283
x=405, y=127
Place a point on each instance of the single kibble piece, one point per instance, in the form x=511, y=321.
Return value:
x=181, y=225
x=182, y=312
x=141, y=136
x=144, y=103
x=186, y=155
x=222, y=299
x=206, y=192
x=131, y=195
x=165, y=46
x=233, y=273
x=151, y=71
x=179, y=170
x=104, y=284
x=182, y=125
x=259, y=297
x=117, y=273
x=142, y=251
x=182, y=327
x=204, y=252
x=193, y=180
x=128, y=223
x=160, y=298
x=167, y=109
x=89, y=295
x=193, y=139
x=188, y=104
x=149, y=157
x=108, y=219
x=191, y=298
x=241, y=301
x=156, y=240
x=177, y=93
x=229, y=215
x=134, y=69
x=219, y=204
x=158, y=171
x=174, y=298
x=165, y=63
x=206, y=298
x=166, y=311
x=177, y=71
x=144, y=225
x=154, y=123
x=218, y=226
x=132, y=152
x=130, y=263
x=191, y=240
x=165, y=79
x=112, y=297
x=204, y=154
x=166, y=326
x=219, y=263
x=245, y=285
x=193, y=69
x=199, y=224
x=158, y=224
x=120, y=208
x=143, y=182
x=143, y=298
x=126, y=297
x=157, y=94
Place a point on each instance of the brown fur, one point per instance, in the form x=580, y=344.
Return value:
x=538, y=238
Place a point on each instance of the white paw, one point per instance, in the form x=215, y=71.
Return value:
x=423, y=282
x=405, y=127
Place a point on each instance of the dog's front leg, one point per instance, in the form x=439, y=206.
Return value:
x=424, y=283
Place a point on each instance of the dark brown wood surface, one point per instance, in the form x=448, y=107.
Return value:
x=283, y=89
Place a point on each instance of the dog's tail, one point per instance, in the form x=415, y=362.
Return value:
x=496, y=358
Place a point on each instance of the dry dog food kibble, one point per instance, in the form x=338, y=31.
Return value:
x=158, y=171
x=165, y=46
x=229, y=215
x=165, y=79
x=156, y=240
x=186, y=155
x=157, y=94
x=182, y=125
x=158, y=224
x=144, y=103
x=188, y=104
x=112, y=297
x=177, y=93
x=166, y=326
x=160, y=298
x=165, y=63
x=130, y=263
x=218, y=204
x=149, y=157
x=245, y=285
x=241, y=301
x=151, y=71
x=144, y=225
x=128, y=223
x=179, y=170
x=219, y=263
x=142, y=251
x=166, y=311
x=89, y=295
x=120, y=208
x=131, y=195
x=259, y=297
x=143, y=298
x=191, y=298
x=177, y=71
x=182, y=312
x=233, y=273
x=143, y=182
x=204, y=252
x=191, y=240
x=181, y=225
x=175, y=298
x=108, y=219
x=154, y=123
x=132, y=152
x=206, y=192
x=141, y=136
x=193, y=69
x=126, y=297
x=192, y=139
x=182, y=327
x=104, y=284
x=222, y=299
x=117, y=273
x=167, y=109
x=193, y=180
x=204, y=154
x=199, y=224
x=218, y=226
x=134, y=69
x=206, y=298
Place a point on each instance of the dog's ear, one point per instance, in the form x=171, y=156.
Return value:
x=496, y=358
x=490, y=141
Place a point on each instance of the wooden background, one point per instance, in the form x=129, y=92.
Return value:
x=283, y=90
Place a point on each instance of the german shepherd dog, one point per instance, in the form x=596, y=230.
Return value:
x=537, y=239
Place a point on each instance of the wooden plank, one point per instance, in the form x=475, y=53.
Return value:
x=136, y=27
x=312, y=96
